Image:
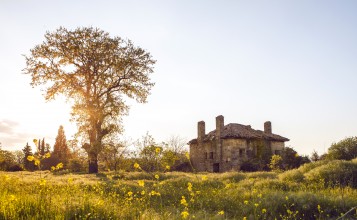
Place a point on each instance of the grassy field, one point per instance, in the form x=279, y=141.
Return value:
x=321, y=190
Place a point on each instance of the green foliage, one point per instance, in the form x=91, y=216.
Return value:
x=96, y=72
x=142, y=195
x=336, y=172
x=310, y=166
x=291, y=159
x=294, y=175
x=345, y=149
x=276, y=163
x=61, y=151
x=76, y=165
x=8, y=161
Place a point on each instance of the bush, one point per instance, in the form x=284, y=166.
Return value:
x=76, y=165
x=335, y=173
x=309, y=166
x=294, y=175
x=15, y=168
x=250, y=165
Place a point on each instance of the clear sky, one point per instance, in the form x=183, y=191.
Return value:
x=290, y=62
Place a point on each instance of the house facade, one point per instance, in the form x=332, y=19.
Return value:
x=228, y=146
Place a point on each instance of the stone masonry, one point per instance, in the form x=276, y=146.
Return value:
x=228, y=146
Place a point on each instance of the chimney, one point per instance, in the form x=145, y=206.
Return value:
x=201, y=128
x=267, y=127
x=219, y=125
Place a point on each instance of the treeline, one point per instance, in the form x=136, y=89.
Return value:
x=116, y=155
x=45, y=158
x=152, y=156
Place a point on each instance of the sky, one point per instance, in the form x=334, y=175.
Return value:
x=289, y=62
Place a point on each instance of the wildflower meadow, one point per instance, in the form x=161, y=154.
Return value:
x=319, y=190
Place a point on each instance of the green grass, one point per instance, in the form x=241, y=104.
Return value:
x=297, y=194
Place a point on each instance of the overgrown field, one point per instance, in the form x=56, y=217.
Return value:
x=320, y=190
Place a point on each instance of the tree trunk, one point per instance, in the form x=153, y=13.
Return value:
x=93, y=163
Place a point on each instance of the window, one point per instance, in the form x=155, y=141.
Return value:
x=211, y=155
x=241, y=152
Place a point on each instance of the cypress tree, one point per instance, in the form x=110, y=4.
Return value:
x=42, y=147
x=60, y=149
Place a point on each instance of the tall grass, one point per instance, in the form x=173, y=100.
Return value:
x=296, y=194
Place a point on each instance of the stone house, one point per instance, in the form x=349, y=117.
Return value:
x=228, y=146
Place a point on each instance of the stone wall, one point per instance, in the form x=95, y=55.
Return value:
x=205, y=156
x=277, y=147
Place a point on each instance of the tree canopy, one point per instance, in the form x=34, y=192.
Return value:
x=345, y=149
x=97, y=72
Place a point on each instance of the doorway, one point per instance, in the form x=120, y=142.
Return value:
x=216, y=167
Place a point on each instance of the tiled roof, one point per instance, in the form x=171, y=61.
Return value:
x=239, y=131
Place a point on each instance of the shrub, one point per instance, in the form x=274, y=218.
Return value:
x=76, y=165
x=340, y=173
x=294, y=175
x=309, y=166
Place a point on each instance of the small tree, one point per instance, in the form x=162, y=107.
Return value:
x=314, y=156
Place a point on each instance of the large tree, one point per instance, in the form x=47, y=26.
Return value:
x=97, y=72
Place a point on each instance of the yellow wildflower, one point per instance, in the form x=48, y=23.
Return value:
x=221, y=212
x=153, y=193
x=141, y=182
x=246, y=202
x=264, y=210
x=183, y=201
x=157, y=176
x=12, y=198
x=167, y=167
x=37, y=162
x=157, y=150
x=136, y=166
x=189, y=187
x=30, y=158
x=130, y=193
x=47, y=155
x=185, y=214
x=59, y=166
x=256, y=204
x=143, y=192
x=204, y=178
x=42, y=182
x=244, y=218
x=228, y=185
